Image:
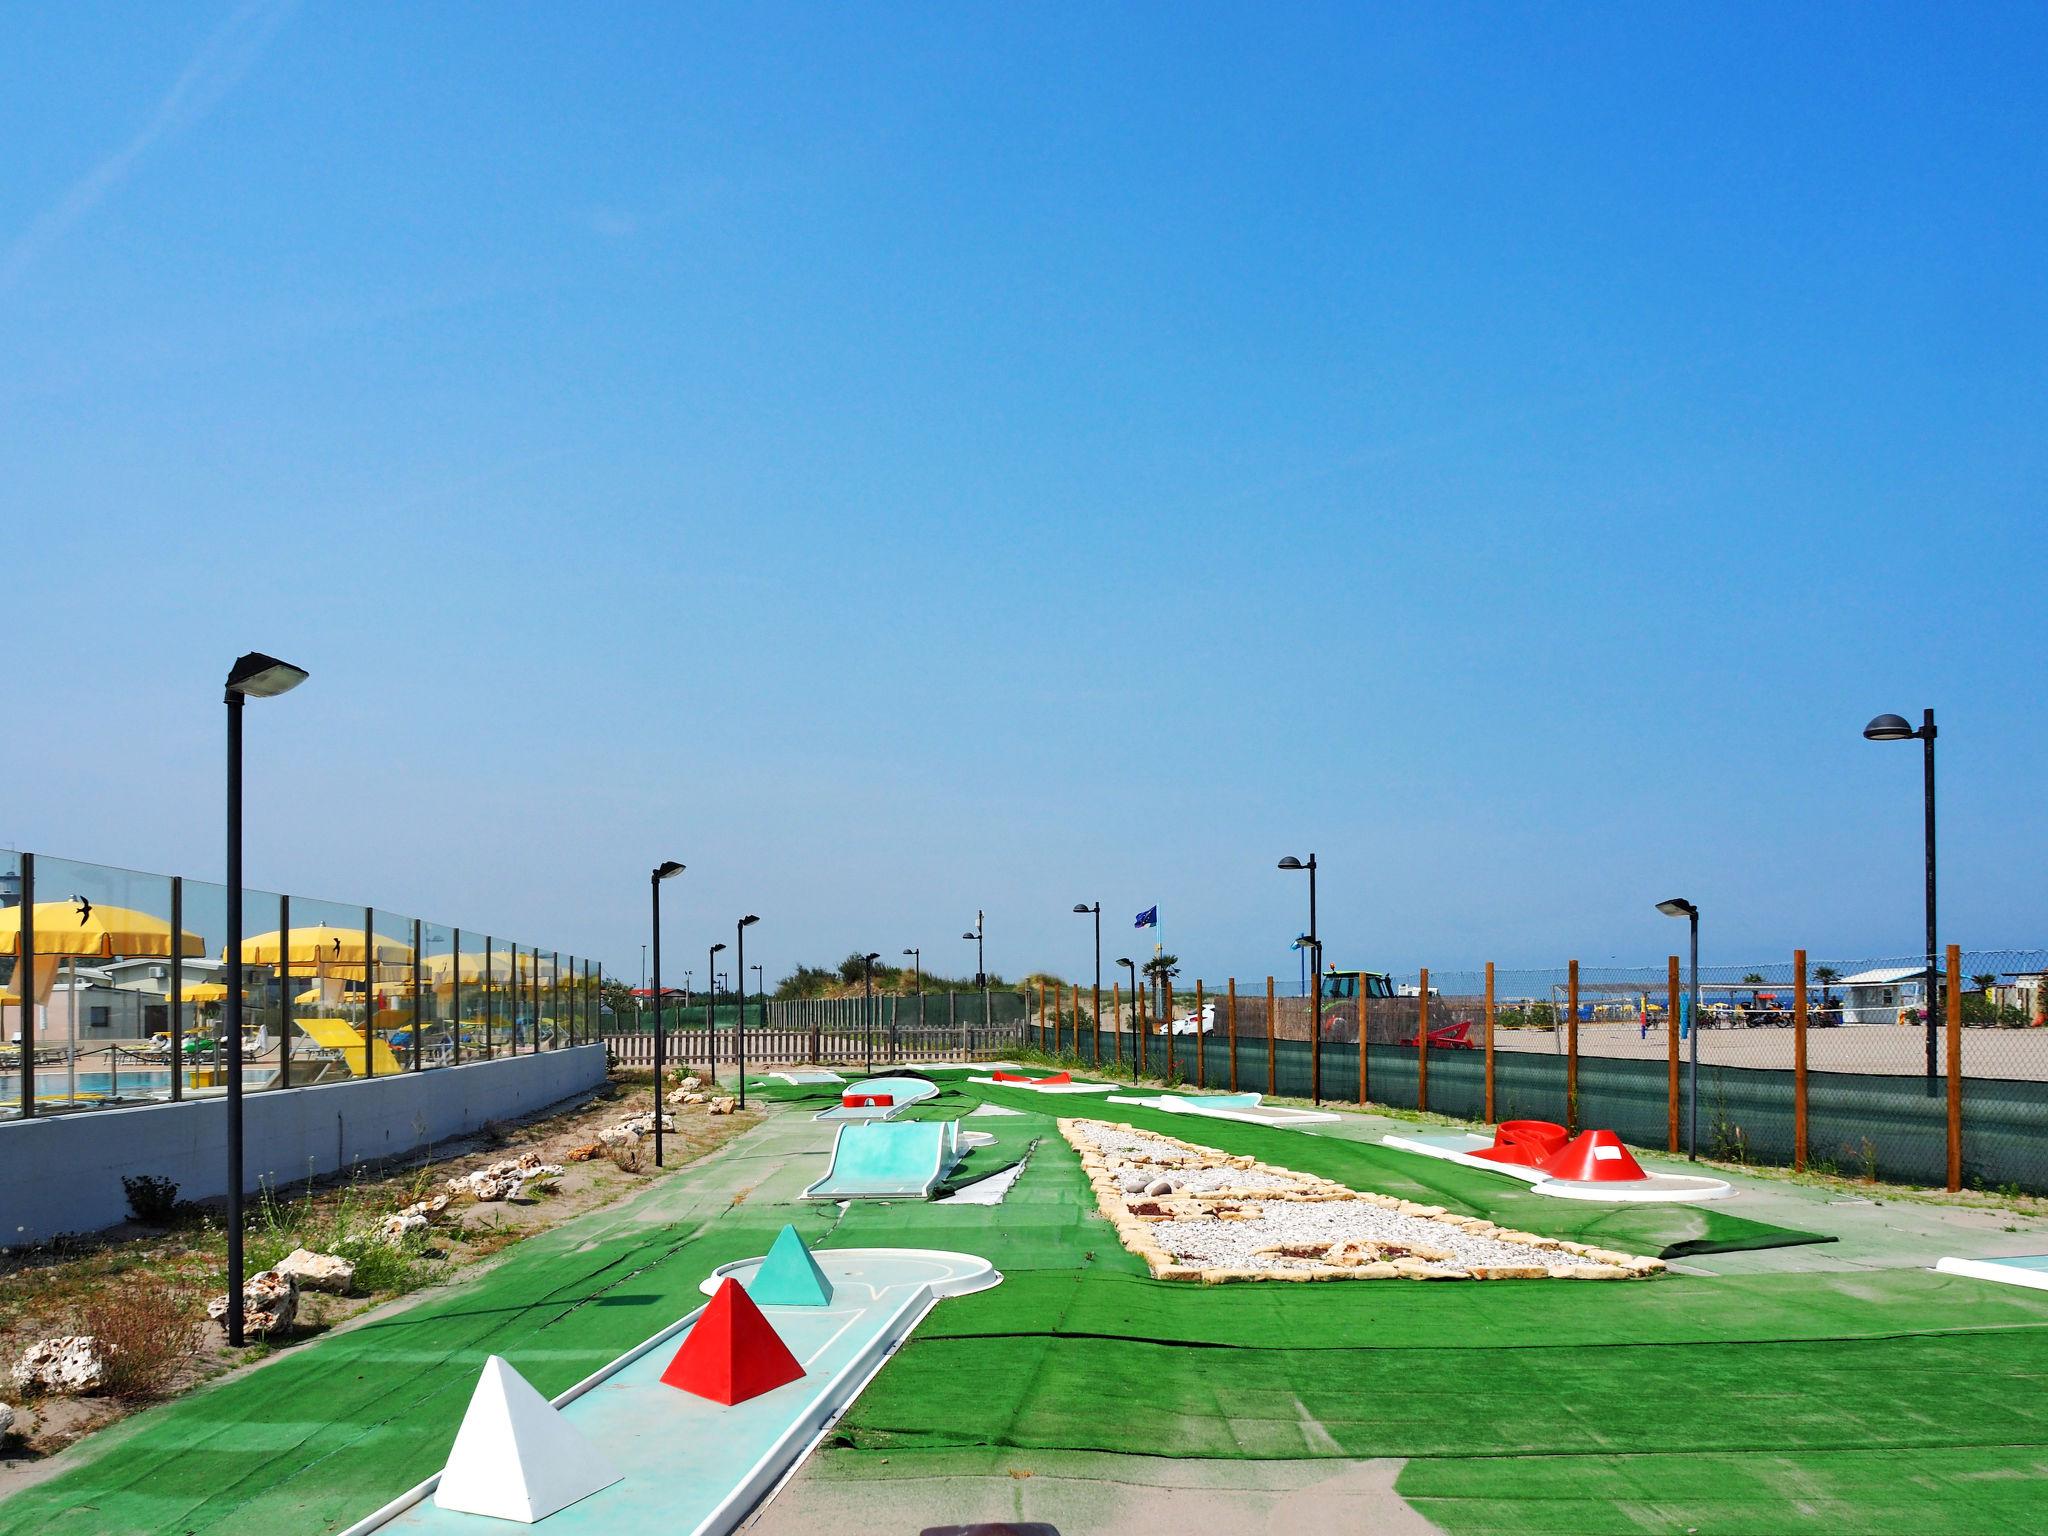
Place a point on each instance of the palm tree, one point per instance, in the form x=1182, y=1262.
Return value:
x=1826, y=975
x=1162, y=968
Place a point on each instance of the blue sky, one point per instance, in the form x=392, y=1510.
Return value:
x=900, y=460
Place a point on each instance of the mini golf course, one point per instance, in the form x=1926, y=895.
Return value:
x=1850, y=1399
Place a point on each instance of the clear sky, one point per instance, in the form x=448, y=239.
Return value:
x=900, y=460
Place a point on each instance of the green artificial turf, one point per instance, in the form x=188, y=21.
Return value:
x=1899, y=1401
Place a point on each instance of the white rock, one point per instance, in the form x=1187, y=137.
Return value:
x=1159, y=1187
x=724, y=1106
x=400, y=1225
x=270, y=1302
x=319, y=1271
x=503, y=1180
x=6, y=1419
x=72, y=1363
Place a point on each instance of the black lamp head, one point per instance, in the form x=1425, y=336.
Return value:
x=1083, y=908
x=910, y=951
x=970, y=935
x=1291, y=862
x=871, y=959
x=1127, y=962
x=749, y=920
x=667, y=868
x=717, y=947
x=1889, y=728
x=1678, y=906
x=258, y=676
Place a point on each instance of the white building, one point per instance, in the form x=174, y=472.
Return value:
x=1880, y=996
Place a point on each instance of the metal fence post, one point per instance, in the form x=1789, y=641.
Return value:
x=25, y=985
x=177, y=991
x=1489, y=1043
x=1201, y=1056
x=1671, y=1048
x=1272, y=1009
x=1166, y=1020
x=1422, y=1044
x=1799, y=1061
x=1571, y=1050
x=1231, y=1020
x=1955, y=1067
x=1364, y=1047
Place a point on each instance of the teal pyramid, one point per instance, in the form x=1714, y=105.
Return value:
x=789, y=1276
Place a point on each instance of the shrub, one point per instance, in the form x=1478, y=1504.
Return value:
x=147, y=1327
x=151, y=1199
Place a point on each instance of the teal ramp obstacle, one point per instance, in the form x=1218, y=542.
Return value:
x=889, y=1160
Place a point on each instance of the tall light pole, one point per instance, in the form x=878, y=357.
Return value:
x=665, y=870
x=739, y=968
x=1137, y=1035
x=254, y=676
x=1082, y=909
x=1678, y=906
x=711, y=1001
x=917, y=980
x=1894, y=728
x=867, y=973
x=980, y=964
x=1315, y=945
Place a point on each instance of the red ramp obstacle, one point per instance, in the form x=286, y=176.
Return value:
x=1594, y=1157
x=851, y=1100
x=732, y=1352
x=1525, y=1143
x=1053, y=1081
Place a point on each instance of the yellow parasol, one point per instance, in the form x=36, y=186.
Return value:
x=81, y=928
x=319, y=945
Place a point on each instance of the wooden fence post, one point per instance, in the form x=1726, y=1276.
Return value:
x=1489, y=1043
x=1272, y=1008
x=1231, y=1020
x=1571, y=1056
x=1422, y=1045
x=1201, y=1055
x=1799, y=1061
x=1041, y=1016
x=1955, y=1067
x=1364, y=1073
x=1671, y=1050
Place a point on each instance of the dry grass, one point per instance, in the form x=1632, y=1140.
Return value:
x=149, y=1327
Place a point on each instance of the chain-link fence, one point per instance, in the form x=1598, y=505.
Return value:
x=1835, y=1065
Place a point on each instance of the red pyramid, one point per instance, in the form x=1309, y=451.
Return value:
x=1024, y=1077
x=1594, y=1157
x=732, y=1353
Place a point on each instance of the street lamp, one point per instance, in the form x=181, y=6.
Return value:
x=711, y=1002
x=980, y=965
x=740, y=970
x=917, y=981
x=1315, y=944
x=1678, y=906
x=254, y=676
x=665, y=870
x=1894, y=728
x=1083, y=909
x=867, y=972
x=1138, y=1039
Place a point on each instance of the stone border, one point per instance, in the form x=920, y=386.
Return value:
x=1136, y=1217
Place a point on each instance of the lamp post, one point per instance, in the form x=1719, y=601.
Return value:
x=1678, y=906
x=980, y=965
x=740, y=970
x=254, y=676
x=917, y=981
x=1081, y=909
x=867, y=979
x=667, y=869
x=1315, y=945
x=711, y=1001
x=1137, y=1037
x=1894, y=728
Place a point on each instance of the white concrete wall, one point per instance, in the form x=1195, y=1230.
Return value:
x=62, y=1173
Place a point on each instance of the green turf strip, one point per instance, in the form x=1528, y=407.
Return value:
x=1663, y=1231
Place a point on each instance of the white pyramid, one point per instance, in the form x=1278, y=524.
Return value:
x=515, y=1457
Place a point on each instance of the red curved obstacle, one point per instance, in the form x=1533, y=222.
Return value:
x=867, y=1100
x=1057, y=1078
x=1594, y=1157
x=1525, y=1143
x=732, y=1352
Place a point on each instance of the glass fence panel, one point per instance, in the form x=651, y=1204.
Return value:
x=17, y=1052
x=394, y=1037
x=440, y=984
x=97, y=986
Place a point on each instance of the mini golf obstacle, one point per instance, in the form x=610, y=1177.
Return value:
x=803, y=1076
x=1248, y=1107
x=688, y=1441
x=2030, y=1270
x=1053, y=1082
x=889, y=1160
x=1594, y=1165
x=879, y=1098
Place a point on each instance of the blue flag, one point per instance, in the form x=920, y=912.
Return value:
x=1149, y=918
